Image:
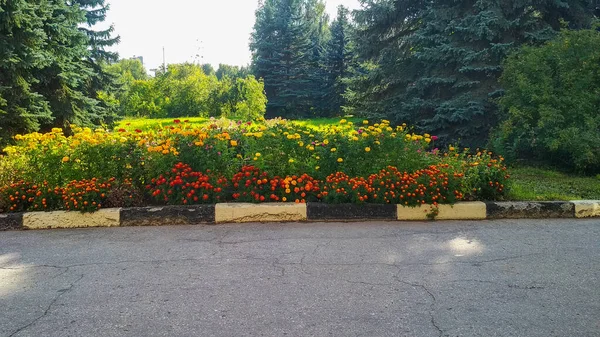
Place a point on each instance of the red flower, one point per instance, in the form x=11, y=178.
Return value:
x=177, y=121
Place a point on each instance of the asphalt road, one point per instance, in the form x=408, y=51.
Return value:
x=485, y=278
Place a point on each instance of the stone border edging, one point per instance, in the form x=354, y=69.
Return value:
x=280, y=212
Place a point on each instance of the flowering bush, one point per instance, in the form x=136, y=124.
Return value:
x=182, y=185
x=250, y=184
x=84, y=195
x=223, y=160
x=483, y=177
x=427, y=186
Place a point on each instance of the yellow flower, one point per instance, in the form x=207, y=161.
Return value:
x=317, y=168
x=65, y=159
x=255, y=159
x=367, y=149
x=291, y=160
x=365, y=122
x=56, y=130
x=326, y=141
x=355, y=138
x=301, y=144
x=333, y=149
x=427, y=135
x=365, y=135
x=377, y=142
x=452, y=148
x=257, y=154
x=427, y=140
x=340, y=160
x=343, y=121
x=234, y=143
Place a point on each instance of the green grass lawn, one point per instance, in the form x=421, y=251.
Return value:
x=149, y=123
x=529, y=183
x=319, y=122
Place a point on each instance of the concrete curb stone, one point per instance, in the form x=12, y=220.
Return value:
x=108, y=217
x=11, y=221
x=168, y=215
x=587, y=208
x=326, y=212
x=461, y=211
x=530, y=210
x=268, y=212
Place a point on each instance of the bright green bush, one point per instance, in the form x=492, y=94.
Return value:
x=552, y=103
x=187, y=90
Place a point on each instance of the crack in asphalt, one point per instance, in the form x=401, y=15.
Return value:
x=276, y=264
x=431, y=306
x=60, y=292
x=302, y=263
x=369, y=283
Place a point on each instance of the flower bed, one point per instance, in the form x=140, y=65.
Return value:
x=223, y=161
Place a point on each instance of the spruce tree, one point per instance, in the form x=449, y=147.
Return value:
x=436, y=64
x=64, y=80
x=98, y=43
x=287, y=45
x=22, y=55
x=338, y=63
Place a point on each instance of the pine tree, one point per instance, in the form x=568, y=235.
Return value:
x=436, y=64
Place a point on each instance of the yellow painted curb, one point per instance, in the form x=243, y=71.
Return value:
x=236, y=212
x=461, y=211
x=109, y=217
x=587, y=208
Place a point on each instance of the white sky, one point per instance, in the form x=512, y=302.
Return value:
x=223, y=26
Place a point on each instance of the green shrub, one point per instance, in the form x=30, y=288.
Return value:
x=552, y=103
x=187, y=90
